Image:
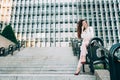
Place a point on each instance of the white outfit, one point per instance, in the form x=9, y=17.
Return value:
x=86, y=36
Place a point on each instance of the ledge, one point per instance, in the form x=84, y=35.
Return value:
x=102, y=74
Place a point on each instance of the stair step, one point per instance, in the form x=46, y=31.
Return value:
x=41, y=64
x=46, y=77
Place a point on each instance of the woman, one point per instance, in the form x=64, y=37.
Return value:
x=85, y=33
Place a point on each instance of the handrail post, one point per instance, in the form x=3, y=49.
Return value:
x=114, y=63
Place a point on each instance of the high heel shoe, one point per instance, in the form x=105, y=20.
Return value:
x=83, y=62
x=77, y=72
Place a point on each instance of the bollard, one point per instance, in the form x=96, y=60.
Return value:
x=74, y=46
x=79, y=43
x=18, y=45
x=114, y=62
x=2, y=51
x=10, y=49
x=23, y=43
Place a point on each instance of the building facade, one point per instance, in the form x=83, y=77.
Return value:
x=5, y=12
x=51, y=23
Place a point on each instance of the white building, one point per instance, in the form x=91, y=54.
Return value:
x=5, y=13
x=47, y=23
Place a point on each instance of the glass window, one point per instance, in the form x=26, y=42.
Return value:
x=89, y=6
x=93, y=5
x=115, y=24
x=108, y=14
x=65, y=5
x=116, y=32
x=106, y=32
x=112, y=5
x=105, y=23
x=96, y=33
x=98, y=6
x=103, y=5
x=107, y=5
x=110, y=23
x=84, y=6
x=95, y=23
x=117, y=5
x=90, y=23
x=100, y=23
x=85, y=14
x=111, y=32
x=70, y=5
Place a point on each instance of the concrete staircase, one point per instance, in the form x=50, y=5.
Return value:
x=4, y=42
x=41, y=64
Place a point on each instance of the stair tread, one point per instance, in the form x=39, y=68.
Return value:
x=39, y=64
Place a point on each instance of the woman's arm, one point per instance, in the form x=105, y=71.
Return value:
x=89, y=34
x=92, y=32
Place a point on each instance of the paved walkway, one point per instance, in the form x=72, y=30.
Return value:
x=51, y=63
x=4, y=42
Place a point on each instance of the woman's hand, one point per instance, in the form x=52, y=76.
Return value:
x=82, y=28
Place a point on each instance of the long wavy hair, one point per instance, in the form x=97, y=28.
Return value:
x=79, y=28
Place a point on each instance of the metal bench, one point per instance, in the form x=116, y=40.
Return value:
x=96, y=54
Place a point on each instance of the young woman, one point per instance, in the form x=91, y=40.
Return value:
x=85, y=33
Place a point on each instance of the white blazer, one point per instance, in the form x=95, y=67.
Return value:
x=88, y=33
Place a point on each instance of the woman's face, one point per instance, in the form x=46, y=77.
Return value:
x=84, y=24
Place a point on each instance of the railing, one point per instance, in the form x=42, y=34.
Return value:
x=76, y=46
x=114, y=60
x=11, y=48
x=3, y=51
x=98, y=54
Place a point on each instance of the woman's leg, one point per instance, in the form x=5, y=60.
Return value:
x=78, y=68
x=82, y=55
x=83, y=51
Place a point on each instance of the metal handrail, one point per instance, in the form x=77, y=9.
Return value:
x=109, y=58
